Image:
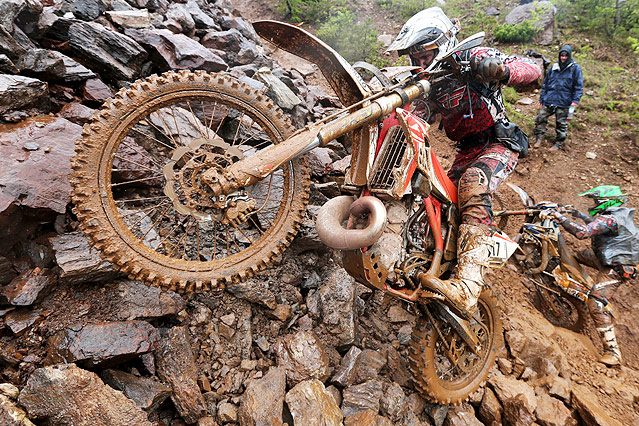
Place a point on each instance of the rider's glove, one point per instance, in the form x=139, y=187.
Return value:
x=550, y=214
x=489, y=69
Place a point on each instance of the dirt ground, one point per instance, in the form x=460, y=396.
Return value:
x=592, y=156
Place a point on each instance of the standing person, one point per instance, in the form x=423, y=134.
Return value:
x=615, y=252
x=560, y=95
x=474, y=117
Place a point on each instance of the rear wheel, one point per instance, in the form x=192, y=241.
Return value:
x=444, y=368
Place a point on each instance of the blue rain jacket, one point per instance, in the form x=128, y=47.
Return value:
x=562, y=86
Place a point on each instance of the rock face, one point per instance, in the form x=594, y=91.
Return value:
x=544, y=22
x=263, y=400
x=303, y=356
x=66, y=395
x=37, y=178
x=102, y=343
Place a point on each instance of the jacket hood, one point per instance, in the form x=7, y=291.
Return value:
x=567, y=49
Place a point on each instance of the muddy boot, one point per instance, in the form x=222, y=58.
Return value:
x=463, y=291
x=538, y=139
x=557, y=146
x=612, y=354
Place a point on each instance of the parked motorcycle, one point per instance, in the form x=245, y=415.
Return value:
x=191, y=180
x=562, y=285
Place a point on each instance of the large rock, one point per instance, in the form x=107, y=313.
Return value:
x=200, y=18
x=9, y=9
x=176, y=365
x=490, y=409
x=102, y=343
x=367, y=418
x=131, y=18
x=146, y=392
x=345, y=373
x=516, y=412
x=394, y=403
x=311, y=405
x=462, y=415
x=135, y=300
x=553, y=412
x=507, y=387
x=65, y=395
x=254, y=291
x=277, y=90
x=362, y=397
x=20, y=320
x=303, y=356
x=43, y=64
x=177, y=51
x=544, y=21
x=78, y=261
x=114, y=55
x=368, y=365
x=87, y=10
x=38, y=178
x=337, y=306
x=20, y=92
x=263, y=401
x=28, y=287
x=237, y=49
x=591, y=413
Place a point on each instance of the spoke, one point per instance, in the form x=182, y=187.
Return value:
x=142, y=153
x=237, y=131
x=168, y=129
x=180, y=223
x=135, y=200
x=247, y=237
x=197, y=237
x=177, y=129
x=217, y=131
x=156, y=222
x=196, y=119
x=135, y=180
x=248, y=136
x=186, y=232
x=146, y=209
x=257, y=226
x=130, y=228
x=155, y=139
x=266, y=218
x=208, y=125
x=133, y=162
x=228, y=248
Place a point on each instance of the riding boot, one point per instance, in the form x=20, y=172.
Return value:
x=559, y=144
x=462, y=291
x=612, y=354
x=538, y=139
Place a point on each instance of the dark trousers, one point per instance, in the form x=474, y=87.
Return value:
x=606, y=284
x=561, y=120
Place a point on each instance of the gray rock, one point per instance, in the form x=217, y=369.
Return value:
x=236, y=48
x=544, y=21
x=102, y=343
x=278, y=91
x=87, y=10
x=492, y=11
x=135, y=300
x=177, y=51
x=263, y=400
x=7, y=65
x=22, y=92
x=146, y=392
x=20, y=320
x=179, y=19
x=362, y=397
x=43, y=64
x=337, y=305
x=28, y=287
x=200, y=18
x=79, y=261
x=65, y=395
x=114, y=55
x=9, y=46
x=176, y=365
x=131, y=18
x=312, y=405
x=9, y=10
x=303, y=356
x=345, y=373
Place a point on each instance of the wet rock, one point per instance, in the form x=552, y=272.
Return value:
x=130, y=18
x=177, y=51
x=179, y=20
x=516, y=412
x=22, y=92
x=362, y=397
x=146, y=392
x=277, y=90
x=135, y=300
x=311, y=405
x=176, y=365
x=76, y=113
x=462, y=415
x=67, y=395
x=112, y=54
x=263, y=400
x=201, y=19
x=368, y=365
x=345, y=373
x=43, y=64
x=78, y=261
x=87, y=10
x=254, y=291
x=303, y=356
x=73, y=70
x=321, y=161
x=9, y=390
x=227, y=412
x=28, y=287
x=507, y=387
x=337, y=306
x=367, y=418
x=11, y=415
x=102, y=343
x=37, y=179
x=490, y=410
x=19, y=321
x=94, y=90
x=7, y=65
x=543, y=20
x=591, y=413
x=552, y=412
x=394, y=402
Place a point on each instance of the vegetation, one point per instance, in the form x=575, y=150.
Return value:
x=512, y=33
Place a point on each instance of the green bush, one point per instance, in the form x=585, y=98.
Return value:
x=355, y=42
x=404, y=8
x=515, y=33
x=311, y=11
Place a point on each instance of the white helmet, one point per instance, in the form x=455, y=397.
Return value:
x=428, y=29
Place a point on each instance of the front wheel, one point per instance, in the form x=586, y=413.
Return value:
x=443, y=380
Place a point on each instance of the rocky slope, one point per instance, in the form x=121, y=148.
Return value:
x=301, y=344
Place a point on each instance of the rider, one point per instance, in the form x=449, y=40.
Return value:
x=615, y=252
x=473, y=116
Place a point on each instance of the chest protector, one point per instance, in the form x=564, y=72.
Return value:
x=622, y=248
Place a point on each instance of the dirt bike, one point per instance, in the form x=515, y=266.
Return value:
x=562, y=285
x=191, y=181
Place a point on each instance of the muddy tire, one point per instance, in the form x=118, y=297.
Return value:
x=139, y=195
x=433, y=374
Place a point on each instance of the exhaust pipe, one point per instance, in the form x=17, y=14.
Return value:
x=337, y=210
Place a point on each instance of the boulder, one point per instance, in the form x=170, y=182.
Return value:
x=591, y=413
x=368, y=365
x=303, y=357
x=345, y=373
x=516, y=411
x=254, y=291
x=263, y=401
x=130, y=18
x=19, y=92
x=544, y=12
x=146, y=392
x=7, y=66
x=277, y=90
x=462, y=415
x=78, y=261
x=310, y=404
x=43, y=64
x=336, y=298
x=136, y=300
x=87, y=10
x=200, y=18
x=9, y=10
x=94, y=90
x=11, y=415
x=394, y=403
x=362, y=397
x=552, y=412
x=507, y=387
x=102, y=343
x=20, y=320
x=76, y=113
x=65, y=395
x=490, y=410
x=28, y=287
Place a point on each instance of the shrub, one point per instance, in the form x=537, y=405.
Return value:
x=404, y=8
x=512, y=33
x=312, y=11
